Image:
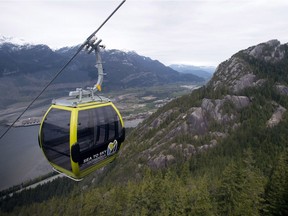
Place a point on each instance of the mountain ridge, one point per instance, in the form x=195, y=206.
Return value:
x=29, y=66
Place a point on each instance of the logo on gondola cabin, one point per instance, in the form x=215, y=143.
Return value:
x=112, y=147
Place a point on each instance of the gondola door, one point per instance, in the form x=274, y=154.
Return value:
x=56, y=136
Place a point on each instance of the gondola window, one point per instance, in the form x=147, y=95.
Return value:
x=55, y=137
x=96, y=129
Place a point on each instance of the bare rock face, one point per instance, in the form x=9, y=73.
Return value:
x=196, y=120
x=239, y=101
x=244, y=82
x=282, y=89
x=270, y=51
x=212, y=144
x=234, y=73
x=237, y=74
x=276, y=117
x=210, y=109
x=214, y=108
x=161, y=161
x=157, y=122
x=186, y=149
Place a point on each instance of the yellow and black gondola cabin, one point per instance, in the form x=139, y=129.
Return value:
x=79, y=138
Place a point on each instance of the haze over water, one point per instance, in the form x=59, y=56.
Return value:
x=21, y=158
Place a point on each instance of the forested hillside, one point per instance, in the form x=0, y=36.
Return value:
x=221, y=150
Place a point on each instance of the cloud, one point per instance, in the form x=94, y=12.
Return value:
x=199, y=32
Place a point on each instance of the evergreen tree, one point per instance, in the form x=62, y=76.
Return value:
x=241, y=189
x=201, y=201
x=277, y=188
x=228, y=192
x=251, y=196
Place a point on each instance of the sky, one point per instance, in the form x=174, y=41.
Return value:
x=195, y=32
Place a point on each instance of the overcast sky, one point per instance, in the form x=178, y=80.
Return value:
x=198, y=32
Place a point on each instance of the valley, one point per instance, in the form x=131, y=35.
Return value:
x=135, y=104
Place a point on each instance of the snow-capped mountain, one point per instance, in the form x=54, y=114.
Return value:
x=13, y=40
x=201, y=71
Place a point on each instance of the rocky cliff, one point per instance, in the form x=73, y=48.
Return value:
x=239, y=72
x=246, y=83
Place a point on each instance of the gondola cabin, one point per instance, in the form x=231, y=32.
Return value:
x=83, y=132
x=79, y=138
